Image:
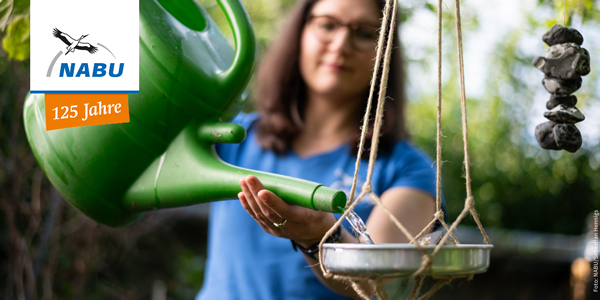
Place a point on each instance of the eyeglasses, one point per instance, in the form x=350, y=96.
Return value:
x=363, y=36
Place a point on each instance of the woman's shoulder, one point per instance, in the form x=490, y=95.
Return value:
x=408, y=166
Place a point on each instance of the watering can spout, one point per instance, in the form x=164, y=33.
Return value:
x=190, y=172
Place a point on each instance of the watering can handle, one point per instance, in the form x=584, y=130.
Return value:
x=245, y=44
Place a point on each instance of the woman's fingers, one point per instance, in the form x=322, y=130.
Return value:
x=303, y=225
x=276, y=204
x=264, y=198
x=253, y=214
x=251, y=201
x=245, y=205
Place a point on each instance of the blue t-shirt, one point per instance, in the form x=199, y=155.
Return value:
x=244, y=262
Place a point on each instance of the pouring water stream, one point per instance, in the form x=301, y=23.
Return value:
x=359, y=227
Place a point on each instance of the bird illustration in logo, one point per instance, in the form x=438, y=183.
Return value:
x=73, y=44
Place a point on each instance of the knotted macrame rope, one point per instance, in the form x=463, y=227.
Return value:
x=384, y=50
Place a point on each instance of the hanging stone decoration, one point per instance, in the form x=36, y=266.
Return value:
x=563, y=65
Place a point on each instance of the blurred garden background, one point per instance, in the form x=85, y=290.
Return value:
x=536, y=204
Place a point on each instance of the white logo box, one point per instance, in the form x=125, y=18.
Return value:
x=111, y=26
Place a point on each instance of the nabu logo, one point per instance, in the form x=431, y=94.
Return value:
x=99, y=70
x=83, y=69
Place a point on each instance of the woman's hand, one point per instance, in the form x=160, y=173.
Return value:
x=305, y=226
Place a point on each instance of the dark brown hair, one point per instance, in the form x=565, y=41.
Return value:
x=281, y=91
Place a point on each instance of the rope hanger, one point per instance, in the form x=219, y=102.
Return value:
x=384, y=49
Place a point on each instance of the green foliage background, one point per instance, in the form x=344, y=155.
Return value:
x=516, y=185
x=14, y=21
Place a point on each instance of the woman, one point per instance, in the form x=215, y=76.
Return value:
x=312, y=92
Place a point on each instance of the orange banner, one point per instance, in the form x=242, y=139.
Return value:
x=74, y=110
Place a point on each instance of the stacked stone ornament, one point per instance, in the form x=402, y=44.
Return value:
x=563, y=65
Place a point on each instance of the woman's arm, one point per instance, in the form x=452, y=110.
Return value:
x=307, y=227
x=413, y=208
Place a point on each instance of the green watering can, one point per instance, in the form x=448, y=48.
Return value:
x=191, y=84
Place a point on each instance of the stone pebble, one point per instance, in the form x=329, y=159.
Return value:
x=544, y=133
x=559, y=35
x=565, y=114
x=566, y=61
x=567, y=137
x=555, y=100
x=561, y=86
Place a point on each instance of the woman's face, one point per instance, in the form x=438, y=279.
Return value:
x=337, y=68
